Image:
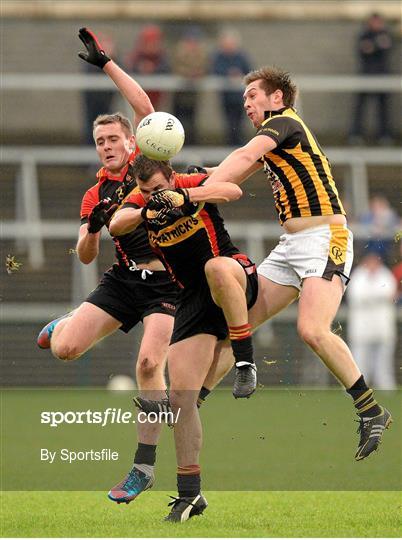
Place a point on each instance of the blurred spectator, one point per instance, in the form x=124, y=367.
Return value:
x=148, y=58
x=381, y=222
x=97, y=102
x=397, y=271
x=372, y=321
x=230, y=61
x=373, y=47
x=190, y=62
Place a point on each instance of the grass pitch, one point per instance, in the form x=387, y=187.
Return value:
x=279, y=465
x=230, y=514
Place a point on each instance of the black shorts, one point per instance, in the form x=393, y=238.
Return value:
x=197, y=313
x=130, y=296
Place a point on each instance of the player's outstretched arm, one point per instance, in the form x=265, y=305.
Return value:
x=218, y=192
x=128, y=87
x=187, y=199
x=131, y=90
x=194, y=169
x=125, y=221
x=242, y=163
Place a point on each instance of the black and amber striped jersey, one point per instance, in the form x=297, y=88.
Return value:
x=297, y=169
x=130, y=248
x=186, y=245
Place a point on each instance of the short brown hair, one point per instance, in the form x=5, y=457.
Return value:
x=144, y=168
x=273, y=78
x=116, y=118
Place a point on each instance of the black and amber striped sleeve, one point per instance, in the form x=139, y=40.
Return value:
x=285, y=131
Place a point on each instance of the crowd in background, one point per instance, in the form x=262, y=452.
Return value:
x=191, y=60
x=374, y=292
x=193, y=57
x=373, y=48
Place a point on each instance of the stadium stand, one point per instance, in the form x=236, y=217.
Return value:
x=41, y=196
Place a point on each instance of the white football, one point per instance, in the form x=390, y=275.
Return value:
x=160, y=136
x=121, y=382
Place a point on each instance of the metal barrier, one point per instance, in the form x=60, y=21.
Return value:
x=211, y=83
x=29, y=230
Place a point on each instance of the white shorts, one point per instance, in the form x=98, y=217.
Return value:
x=317, y=252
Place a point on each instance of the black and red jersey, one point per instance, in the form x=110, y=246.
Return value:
x=134, y=246
x=185, y=246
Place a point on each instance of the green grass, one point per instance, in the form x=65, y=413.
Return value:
x=294, y=440
x=230, y=514
x=279, y=465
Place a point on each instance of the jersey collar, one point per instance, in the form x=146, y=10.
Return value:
x=270, y=114
x=103, y=174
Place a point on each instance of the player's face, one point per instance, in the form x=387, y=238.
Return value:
x=156, y=182
x=113, y=146
x=256, y=102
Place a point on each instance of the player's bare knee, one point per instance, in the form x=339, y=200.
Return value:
x=66, y=351
x=147, y=367
x=214, y=267
x=312, y=336
x=216, y=274
x=176, y=398
x=182, y=399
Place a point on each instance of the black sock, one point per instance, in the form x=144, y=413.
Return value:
x=243, y=350
x=188, y=485
x=146, y=454
x=202, y=396
x=363, y=399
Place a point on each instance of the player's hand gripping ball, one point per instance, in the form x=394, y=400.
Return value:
x=158, y=219
x=168, y=198
x=160, y=136
x=176, y=201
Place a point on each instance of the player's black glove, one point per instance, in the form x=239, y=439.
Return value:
x=95, y=55
x=160, y=218
x=168, y=199
x=177, y=201
x=192, y=169
x=101, y=215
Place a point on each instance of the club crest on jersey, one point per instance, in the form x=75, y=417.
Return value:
x=273, y=178
x=120, y=193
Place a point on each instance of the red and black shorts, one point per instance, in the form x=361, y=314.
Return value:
x=197, y=313
x=129, y=296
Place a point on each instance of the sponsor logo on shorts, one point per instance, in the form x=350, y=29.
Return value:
x=311, y=271
x=170, y=307
x=337, y=253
